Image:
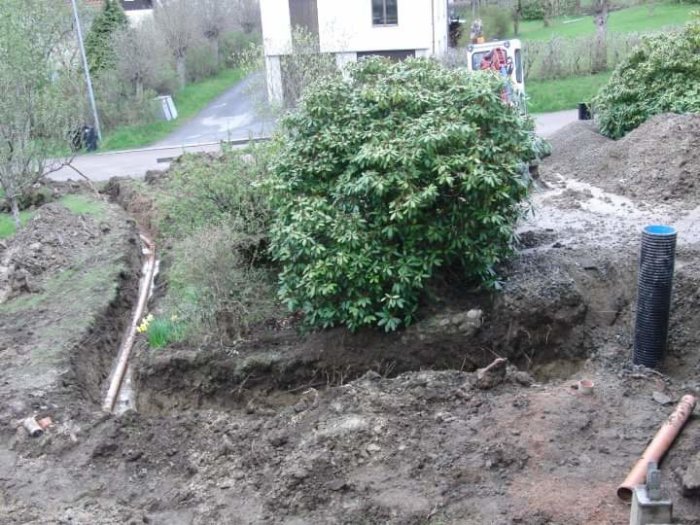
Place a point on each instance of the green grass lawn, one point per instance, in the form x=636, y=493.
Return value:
x=565, y=93
x=7, y=225
x=83, y=205
x=629, y=20
x=189, y=101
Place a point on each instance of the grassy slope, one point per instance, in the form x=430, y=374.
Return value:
x=633, y=19
x=189, y=101
x=565, y=93
x=559, y=94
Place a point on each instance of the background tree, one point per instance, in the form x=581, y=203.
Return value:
x=601, y=9
x=215, y=17
x=517, y=14
x=248, y=14
x=99, y=40
x=141, y=57
x=304, y=64
x=41, y=104
x=177, y=23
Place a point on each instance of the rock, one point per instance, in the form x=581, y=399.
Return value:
x=371, y=375
x=296, y=475
x=492, y=375
x=475, y=314
x=373, y=448
x=662, y=398
x=460, y=318
x=691, y=478
x=523, y=378
x=337, y=485
x=278, y=440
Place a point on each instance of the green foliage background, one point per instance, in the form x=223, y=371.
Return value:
x=662, y=75
x=99, y=46
x=389, y=176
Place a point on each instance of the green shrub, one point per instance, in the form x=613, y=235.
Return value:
x=201, y=63
x=660, y=76
x=385, y=178
x=235, y=45
x=496, y=20
x=532, y=9
x=208, y=190
x=217, y=284
x=215, y=216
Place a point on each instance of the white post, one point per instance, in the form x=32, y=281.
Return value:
x=88, y=80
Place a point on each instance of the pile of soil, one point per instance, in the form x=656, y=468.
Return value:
x=658, y=161
x=48, y=244
x=65, y=285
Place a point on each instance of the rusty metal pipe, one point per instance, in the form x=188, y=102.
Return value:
x=657, y=448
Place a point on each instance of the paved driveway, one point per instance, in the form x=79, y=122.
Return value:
x=135, y=163
x=234, y=115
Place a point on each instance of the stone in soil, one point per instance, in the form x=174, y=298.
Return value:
x=691, y=477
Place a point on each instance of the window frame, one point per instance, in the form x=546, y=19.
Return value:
x=385, y=15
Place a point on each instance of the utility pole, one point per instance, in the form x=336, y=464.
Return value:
x=88, y=80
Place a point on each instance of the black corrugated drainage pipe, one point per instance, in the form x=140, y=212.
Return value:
x=654, y=294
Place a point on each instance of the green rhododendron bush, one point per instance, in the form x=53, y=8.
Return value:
x=387, y=176
x=661, y=76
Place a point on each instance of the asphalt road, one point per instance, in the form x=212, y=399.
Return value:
x=234, y=115
x=135, y=163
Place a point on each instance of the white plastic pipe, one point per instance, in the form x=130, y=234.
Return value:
x=145, y=284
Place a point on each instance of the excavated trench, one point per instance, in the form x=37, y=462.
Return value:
x=559, y=306
x=552, y=315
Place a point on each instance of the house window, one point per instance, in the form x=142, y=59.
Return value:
x=385, y=12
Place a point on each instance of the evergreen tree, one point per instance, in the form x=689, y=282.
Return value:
x=99, y=42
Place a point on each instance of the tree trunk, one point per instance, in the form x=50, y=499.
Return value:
x=181, y=68
x=600, y=53
x=139, y=90
x=215, y=52
x=14, y=206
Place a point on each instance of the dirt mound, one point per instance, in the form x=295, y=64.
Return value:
x=48, y=243
x=61, y=276
x=656, y=162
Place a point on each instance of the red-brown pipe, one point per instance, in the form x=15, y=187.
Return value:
x=657, y=448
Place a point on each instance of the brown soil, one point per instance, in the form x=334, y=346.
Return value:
x=63, y=279
x=659, y=161
x=373, y=428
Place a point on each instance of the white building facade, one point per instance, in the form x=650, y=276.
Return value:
x=352, y=29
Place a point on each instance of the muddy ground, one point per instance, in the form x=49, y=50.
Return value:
x=372, y=428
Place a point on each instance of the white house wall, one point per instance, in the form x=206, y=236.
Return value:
x=347, y=26
x=441, y=38
x=138, y=16
x=345, y=29
x=276, y=27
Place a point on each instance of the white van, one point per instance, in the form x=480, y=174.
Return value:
x=504, y=56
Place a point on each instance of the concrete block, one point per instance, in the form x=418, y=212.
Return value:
x=649, y=512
